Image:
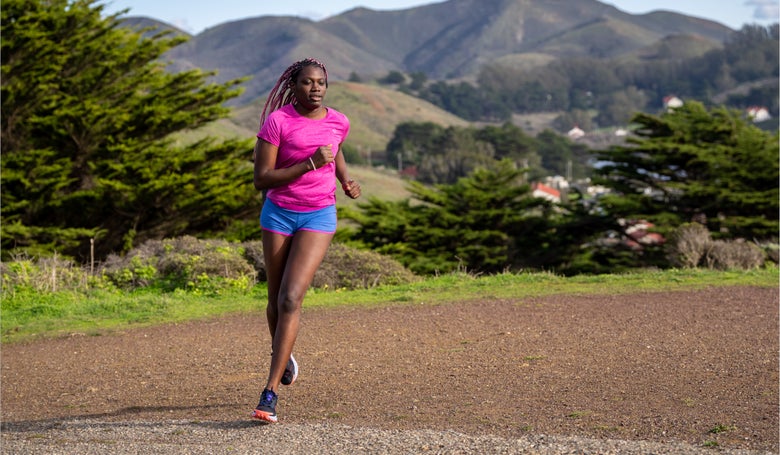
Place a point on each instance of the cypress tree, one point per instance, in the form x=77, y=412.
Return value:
x=88, y=153
x=692, y=163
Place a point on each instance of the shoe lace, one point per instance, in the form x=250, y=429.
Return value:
x=267, y=397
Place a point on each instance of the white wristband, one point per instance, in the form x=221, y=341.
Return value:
x=313, y=167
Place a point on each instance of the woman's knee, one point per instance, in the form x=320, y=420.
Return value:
x=290, y=302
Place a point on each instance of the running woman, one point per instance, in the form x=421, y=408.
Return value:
x=298, y=159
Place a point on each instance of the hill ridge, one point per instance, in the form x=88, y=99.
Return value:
x=445, y=40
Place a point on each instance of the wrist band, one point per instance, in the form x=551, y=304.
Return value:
x=313, y=167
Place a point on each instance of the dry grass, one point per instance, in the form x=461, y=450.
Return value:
x=692, y=246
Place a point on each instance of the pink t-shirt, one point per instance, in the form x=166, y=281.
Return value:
x=297, y=138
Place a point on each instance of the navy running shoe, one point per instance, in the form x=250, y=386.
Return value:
x=290, y=372
x=266, y=409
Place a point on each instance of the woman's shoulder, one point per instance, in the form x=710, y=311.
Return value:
x=280, y=117
x=288, y=110
x=337, y=115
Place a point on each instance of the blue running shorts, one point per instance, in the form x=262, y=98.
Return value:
x=287, y=222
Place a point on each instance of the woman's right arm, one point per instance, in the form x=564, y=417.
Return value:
x=266, y=174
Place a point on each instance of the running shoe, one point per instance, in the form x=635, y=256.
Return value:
x=266, y=409
x=290, y=372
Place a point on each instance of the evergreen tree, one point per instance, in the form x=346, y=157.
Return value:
x=455, y=154
x=410, y=142
x=88, y=112
x=486, y=222
x=561, y=156
x=696, y=164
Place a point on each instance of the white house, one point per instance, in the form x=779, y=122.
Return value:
x=758, y=113
x=576, y=133
x=672, y=102
x=557, y=182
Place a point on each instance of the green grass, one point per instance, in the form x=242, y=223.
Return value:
x=30, y=315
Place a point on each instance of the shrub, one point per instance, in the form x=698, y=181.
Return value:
x=351, y=268
x=48, y=274
x=343, y=267
x=253, y=252
x=733, y=254
x=771, y=248
x=182, y=263
x=689, y=245
x=190, y=263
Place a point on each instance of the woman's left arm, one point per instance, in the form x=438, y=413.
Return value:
x=351, y=188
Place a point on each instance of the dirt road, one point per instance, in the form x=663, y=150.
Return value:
x=699, y=368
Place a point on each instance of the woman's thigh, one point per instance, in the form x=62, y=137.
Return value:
x=307, y=250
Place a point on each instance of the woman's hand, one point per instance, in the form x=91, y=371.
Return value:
x=351, y=188
x=322, y=156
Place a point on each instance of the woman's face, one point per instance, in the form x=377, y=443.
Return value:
x=310, y=87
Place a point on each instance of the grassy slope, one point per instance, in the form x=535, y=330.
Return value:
x=378, y=183
x=373, y=111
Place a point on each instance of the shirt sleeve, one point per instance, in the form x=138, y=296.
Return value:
x=271, y=131
x=345, y=127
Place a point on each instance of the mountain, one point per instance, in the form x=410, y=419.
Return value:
x=151, y=27
x=446, y=40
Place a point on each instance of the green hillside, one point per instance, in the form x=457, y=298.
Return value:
x=373, y=111
x=378, y=183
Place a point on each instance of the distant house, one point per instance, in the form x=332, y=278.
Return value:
x=638, y=233
x=543, y=191
x=596, y=190
x=557, y=182
x=409, y=171
x=575, y=133
x=672, y=102
x=758, y=113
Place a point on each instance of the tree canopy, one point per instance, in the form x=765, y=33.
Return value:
x=443, y=155
x=689, y=164
x=693, y=164
x=88, y=114
x=483, y=223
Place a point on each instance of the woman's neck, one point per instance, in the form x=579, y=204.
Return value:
x=318, y=113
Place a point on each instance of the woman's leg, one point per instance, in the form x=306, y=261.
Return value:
x=276, y=247
x=298, y=258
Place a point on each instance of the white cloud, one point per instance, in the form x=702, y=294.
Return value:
x=765, y=10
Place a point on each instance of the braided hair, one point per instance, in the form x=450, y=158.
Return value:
x=282, y=93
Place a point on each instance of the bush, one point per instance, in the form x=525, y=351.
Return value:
x=343, y=267
x=351, y=268
x=732, y=255
x=253, y=252
x=189, y=263
x=688, y=245
x=192, y=264
x=691, y=245
x=182, y=263
x=771, y=248
x=48, y=274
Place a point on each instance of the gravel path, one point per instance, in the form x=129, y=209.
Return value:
x=187, y=437
x=664, y=373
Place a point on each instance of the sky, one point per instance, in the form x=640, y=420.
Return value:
x=194, y=16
